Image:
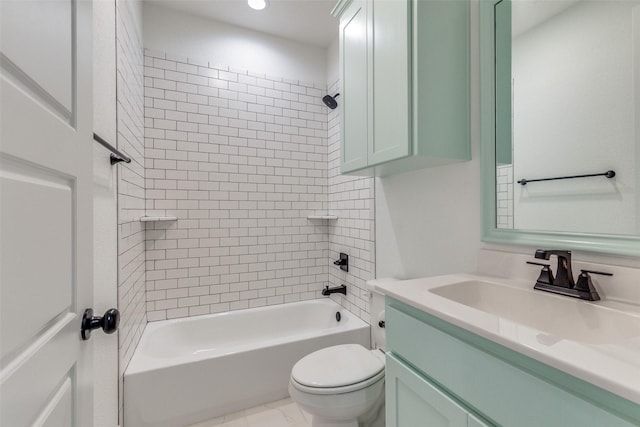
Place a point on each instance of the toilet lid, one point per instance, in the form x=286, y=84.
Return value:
x=337, y=366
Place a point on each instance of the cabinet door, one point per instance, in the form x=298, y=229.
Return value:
x=412, y=401
x=355, y=86
x=391, y=32
x=476, y=422
x=504, y=127
x=441, y=79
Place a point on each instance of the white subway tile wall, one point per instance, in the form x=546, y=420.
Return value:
x=131, y=191
x=240, y=159
x=504, y=196
x=351, y=198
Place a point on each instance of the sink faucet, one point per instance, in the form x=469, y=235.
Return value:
x=564, y=283
x=564, y=275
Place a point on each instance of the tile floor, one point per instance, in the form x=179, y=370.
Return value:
x=283, y=413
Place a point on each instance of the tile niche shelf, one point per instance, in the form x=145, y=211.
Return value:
x=323, y=216
x=158, y=218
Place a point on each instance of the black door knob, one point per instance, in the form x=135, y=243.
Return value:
x=109, y=322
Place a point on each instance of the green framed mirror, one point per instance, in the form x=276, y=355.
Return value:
x=543, y=117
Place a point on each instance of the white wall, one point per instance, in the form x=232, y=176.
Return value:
x=636, y=85
x=167, y=30
x=333, y=62
x=428, y=221
x=131, y=189
x=575, y=113
x=105, y=295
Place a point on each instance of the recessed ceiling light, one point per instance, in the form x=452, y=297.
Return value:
x=258, y=4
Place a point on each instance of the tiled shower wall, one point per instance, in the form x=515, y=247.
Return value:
x=351, y=199
x=241, y=160
x=130, y=115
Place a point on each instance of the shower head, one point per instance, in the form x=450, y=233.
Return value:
x=330, y=101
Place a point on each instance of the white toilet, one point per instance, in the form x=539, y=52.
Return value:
x=343, y=385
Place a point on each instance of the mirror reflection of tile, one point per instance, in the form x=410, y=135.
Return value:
x=504, y=196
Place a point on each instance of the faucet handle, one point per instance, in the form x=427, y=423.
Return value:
x=546, y=275
x=342, y=262
x=539, y=263
x=602, y=273
x=584, y=283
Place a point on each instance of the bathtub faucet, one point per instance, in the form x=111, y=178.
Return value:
x=342, y=289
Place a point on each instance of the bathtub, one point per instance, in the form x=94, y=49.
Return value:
x=188, y=370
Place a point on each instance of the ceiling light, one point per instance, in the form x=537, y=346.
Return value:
x=258, y=4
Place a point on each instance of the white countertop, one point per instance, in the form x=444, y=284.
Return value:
x=612, y=364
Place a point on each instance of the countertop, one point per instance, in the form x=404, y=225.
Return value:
x=613, y=365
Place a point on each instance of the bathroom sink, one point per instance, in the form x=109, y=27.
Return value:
x=598, y=342
x=562, y=317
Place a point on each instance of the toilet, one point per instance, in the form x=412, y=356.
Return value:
x=343, y=385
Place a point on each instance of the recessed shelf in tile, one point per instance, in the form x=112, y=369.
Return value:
x=158, y=218
x=330, y=217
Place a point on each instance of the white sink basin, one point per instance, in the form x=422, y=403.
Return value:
x=598, y=342
x=562, y=317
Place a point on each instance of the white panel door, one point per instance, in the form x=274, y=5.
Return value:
x=45, y=212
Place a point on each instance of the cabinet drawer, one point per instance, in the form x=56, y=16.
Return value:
x=505, y=394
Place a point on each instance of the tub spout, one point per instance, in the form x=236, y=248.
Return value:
x=342, y=289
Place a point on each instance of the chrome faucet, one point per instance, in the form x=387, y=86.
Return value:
x=564, y=283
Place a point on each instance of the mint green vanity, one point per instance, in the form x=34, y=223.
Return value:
x=405, y=84
x=439, y=374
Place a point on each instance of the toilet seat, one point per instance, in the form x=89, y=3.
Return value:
x=338, y=390
x=338, y=369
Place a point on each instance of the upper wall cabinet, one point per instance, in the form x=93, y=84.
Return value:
x=405, y=84
x=354, y=56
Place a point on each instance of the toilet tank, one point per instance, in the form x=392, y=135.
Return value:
x=376, y=312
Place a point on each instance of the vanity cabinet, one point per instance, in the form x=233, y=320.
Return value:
x=436, y=370
x=405, y=84
x=411, y=400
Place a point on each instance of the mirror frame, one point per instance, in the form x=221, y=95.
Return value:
x=601, y=243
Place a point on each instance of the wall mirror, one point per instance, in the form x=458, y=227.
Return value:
x=560, y=120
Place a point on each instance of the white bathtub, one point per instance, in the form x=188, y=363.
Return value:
x=188, y=370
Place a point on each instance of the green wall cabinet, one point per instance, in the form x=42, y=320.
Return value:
x=439, y=371
x=405, y=84
x=391, y=57
x=354, y=57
